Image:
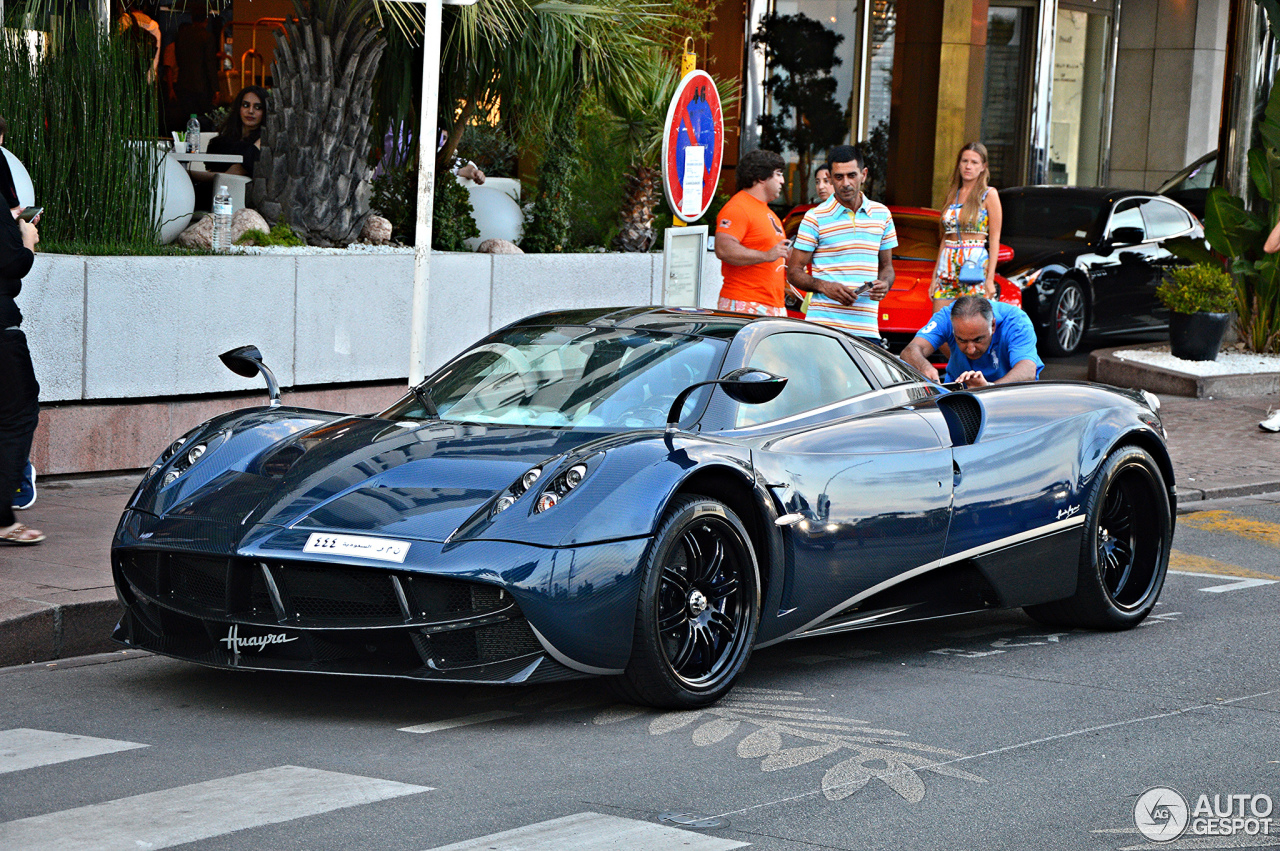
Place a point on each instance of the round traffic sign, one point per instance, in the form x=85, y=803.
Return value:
x=693, y=146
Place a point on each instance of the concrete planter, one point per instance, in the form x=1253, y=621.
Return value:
x=116, y=335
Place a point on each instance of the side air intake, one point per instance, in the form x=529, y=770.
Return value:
x=963, y=413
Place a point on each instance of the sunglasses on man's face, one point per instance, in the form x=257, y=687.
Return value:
x=247, y=104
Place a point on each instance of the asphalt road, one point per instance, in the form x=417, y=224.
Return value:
x=980, y=732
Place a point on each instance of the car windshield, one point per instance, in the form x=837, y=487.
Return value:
x=1050, y=216
x=568, y=377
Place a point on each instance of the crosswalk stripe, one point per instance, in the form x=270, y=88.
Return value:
x=199, y=811
x=22, y=748
x=595, y=832
x=1180, y=562
x=461, y=721
x=1221, y=520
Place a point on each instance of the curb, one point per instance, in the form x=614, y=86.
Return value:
x=37, y=631
x=1202, y=494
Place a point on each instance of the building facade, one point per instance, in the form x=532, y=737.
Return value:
x=1072, y=92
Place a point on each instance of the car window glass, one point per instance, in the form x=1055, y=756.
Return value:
x=818, y=369
x=887, y=369
x=1200, y=177
x=1127, y=215
x=1049, y=215
x=1164, y=220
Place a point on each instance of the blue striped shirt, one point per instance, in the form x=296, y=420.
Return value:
x=846, y=246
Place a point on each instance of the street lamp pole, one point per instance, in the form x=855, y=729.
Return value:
x=427, y=116
x=433, y=13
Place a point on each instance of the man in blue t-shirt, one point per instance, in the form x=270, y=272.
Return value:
x=991, y=343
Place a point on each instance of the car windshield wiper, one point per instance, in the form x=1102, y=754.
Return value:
x=424, y=396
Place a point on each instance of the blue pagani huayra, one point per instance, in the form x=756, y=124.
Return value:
x=643, y=494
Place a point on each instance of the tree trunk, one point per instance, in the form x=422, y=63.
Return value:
x=313, y=171
x=637, y=233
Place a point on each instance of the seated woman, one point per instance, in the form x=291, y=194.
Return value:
x=241, y=133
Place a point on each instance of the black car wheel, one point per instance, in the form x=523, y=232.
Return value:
x=699, y=609
x=1068, y=320
x=1125, y=549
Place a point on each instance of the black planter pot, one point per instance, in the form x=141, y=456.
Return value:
x=1197, y=336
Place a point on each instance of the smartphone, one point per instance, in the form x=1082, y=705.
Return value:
x=30, y=213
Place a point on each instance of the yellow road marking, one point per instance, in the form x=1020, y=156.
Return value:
x=1234, y=524
x=1188, y=563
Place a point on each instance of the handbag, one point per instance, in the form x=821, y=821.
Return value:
x=971, y=272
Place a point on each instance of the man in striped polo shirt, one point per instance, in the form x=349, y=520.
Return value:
x=846, y=241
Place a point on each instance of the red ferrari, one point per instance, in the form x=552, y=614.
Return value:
x=907, y=307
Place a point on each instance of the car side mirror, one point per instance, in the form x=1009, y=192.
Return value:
x=247, y=361
x=746, y=385
x=1127, y=236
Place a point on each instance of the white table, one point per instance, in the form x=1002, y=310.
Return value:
x=207, y=158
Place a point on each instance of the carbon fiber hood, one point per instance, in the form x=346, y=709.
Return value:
x=408, y=480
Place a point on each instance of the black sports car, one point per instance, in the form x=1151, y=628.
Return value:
x=1089, y=260
x=637, y=494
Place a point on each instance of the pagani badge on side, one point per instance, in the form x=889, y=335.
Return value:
x=636, y=494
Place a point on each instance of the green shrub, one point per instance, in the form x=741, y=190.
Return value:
x=1201, y=288
x=281, y=234
x=395, y=196
x=452, y=220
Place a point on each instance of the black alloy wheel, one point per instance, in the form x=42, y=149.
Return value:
x=1125, y=548
x=1068, y=320
x=699, y=608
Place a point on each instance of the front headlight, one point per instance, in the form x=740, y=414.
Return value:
x=518, y=489
x=563, y=484
x=184, y=453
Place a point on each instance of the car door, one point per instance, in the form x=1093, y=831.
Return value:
x=866, y=480
x=1164, y=221
x=1124, y=280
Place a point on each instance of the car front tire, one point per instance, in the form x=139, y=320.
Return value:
x=699, y=609
x=1124, y=554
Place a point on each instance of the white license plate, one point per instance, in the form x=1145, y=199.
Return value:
x=361, y=546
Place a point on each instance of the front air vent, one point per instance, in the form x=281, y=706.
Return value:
x=963, y=413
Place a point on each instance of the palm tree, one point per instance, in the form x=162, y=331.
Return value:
x=640, y=112
x=538, y=62
x=313, y=171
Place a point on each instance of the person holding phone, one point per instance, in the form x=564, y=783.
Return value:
x=844, y=243
x=19, y=391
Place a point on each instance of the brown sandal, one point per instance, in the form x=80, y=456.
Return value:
x=22, y=534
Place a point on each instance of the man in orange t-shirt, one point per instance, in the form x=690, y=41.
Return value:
x=750, y=243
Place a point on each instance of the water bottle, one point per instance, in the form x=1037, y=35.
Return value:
x=222, y=219
x=193, y=134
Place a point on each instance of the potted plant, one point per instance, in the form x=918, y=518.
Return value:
x=1200, y=297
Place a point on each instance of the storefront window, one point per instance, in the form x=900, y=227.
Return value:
x=1078, y=104
x=1010, y=38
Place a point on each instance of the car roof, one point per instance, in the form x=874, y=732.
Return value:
x=1097, y=194
x=693, y=321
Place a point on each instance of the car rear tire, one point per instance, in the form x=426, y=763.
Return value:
x=698, y=612
x=1068, y=320
x=1124, y=552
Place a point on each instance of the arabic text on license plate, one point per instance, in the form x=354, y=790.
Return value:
x=383, y=549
